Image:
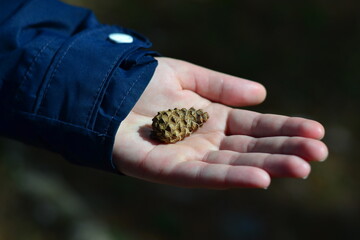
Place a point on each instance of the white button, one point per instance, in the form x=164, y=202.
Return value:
x=121, y=38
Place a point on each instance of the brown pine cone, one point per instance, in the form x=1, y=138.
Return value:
x=175, y=124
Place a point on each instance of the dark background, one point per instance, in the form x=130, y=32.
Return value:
x=306, y=53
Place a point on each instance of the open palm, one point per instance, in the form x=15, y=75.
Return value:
x=234, y=148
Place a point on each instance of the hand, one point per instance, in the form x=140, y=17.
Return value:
x=234, y=148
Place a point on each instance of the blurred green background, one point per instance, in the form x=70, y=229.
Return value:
x=307, y=54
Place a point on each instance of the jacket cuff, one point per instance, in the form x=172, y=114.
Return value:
x=93, y=82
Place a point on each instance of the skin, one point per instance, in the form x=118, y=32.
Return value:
x=234, y=149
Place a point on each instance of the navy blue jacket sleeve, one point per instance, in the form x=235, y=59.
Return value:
x=64, y=84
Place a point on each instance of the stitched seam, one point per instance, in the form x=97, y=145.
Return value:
x=30, y=68
x=121, y=103
x=123, y=99
x=101, y=86
x=43, y=96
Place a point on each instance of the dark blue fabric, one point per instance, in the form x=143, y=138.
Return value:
x=64, y=85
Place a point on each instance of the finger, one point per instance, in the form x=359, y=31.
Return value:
x=276, y=165
x=218, y=176
x=223, y=88
x=265, y=125
x=305, y=148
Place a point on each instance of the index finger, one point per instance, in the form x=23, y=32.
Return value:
x=242, y=122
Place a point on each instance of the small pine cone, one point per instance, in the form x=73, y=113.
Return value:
x=175, y=124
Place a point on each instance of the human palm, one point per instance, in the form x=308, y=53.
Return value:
x=234, y=148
